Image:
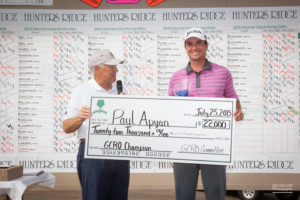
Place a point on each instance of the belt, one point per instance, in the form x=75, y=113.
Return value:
x=82, y=140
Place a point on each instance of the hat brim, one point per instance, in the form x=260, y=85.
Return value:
x=114, y=62
x=201, y=37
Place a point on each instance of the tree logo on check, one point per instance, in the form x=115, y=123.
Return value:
x=100, y=104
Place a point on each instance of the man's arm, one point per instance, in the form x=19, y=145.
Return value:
x=238, y=113
x=73, y=124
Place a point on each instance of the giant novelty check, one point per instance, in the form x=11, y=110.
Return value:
x=176, y=129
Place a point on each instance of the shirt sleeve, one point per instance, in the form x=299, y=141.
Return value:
x=229, y=91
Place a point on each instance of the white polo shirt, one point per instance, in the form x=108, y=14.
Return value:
x=81, y=96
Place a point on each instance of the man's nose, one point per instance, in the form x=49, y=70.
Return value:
x=194, y=46
x=116, y=69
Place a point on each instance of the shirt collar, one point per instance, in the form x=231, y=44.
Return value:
x=207, y=66
x=97, y=87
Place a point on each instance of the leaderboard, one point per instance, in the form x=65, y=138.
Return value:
x=45, y=53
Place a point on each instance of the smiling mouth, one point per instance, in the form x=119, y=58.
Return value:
x=195, y=53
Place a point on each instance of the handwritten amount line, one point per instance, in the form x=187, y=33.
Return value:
x=154, y=136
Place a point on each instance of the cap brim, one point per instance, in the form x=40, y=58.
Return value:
x=201, y=37
x=114, y=62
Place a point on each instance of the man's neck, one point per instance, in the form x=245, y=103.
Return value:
x=197, y=66
x=104, y=84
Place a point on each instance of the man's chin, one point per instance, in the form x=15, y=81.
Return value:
x=195, y=59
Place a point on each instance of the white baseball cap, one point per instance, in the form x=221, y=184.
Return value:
x=103, y=57
x=195, y=32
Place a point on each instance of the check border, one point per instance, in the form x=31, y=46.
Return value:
x=189, y=99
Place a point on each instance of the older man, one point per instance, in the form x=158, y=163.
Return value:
x=206, y=79
x=99, y=179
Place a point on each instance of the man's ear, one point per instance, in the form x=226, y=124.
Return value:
x=97, y=67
